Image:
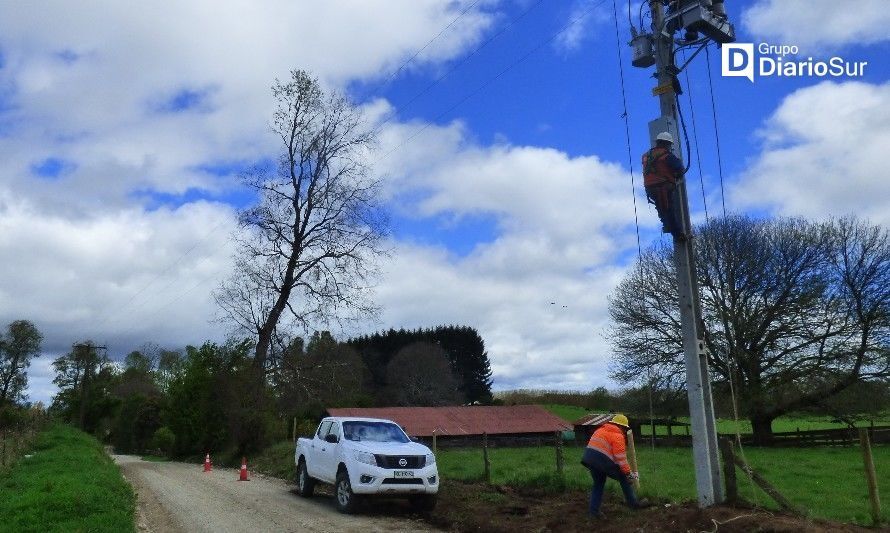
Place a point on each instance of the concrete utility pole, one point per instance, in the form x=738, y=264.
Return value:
x=708, y=476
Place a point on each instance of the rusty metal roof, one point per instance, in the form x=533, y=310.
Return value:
x=463, y=420
x=596, y=419
x=593, y=419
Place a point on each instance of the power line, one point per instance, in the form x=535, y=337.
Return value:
x=633, y=186
x=392, y=76
x=158, y=276
x=424, y=47
x=490, y=81
x=701, y=178
x=460, y=63
x=716, y=131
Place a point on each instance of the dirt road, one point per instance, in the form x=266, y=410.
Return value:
x=181, y=497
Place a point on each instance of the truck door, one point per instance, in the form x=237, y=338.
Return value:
x=315, y=460
x=327, y=453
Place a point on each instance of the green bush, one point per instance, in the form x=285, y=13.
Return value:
x=164, y=440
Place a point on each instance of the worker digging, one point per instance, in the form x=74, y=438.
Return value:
x=606, y=457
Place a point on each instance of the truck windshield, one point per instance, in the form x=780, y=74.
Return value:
x=373, y=432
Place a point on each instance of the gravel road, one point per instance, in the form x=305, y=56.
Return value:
x=181, y=497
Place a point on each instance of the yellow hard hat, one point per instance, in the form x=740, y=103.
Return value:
x=621, y=420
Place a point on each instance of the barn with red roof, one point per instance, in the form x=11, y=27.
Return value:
x=465, y=425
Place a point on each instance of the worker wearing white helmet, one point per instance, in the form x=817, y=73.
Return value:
x=661, y=172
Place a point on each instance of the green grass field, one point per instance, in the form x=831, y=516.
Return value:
x=68, y=484
x=827, y=483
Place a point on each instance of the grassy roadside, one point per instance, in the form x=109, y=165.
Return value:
x=68, y=484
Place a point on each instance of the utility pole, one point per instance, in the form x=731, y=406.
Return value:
x=89, y=356
x=710, y=18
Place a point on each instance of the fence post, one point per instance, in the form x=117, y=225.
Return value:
x=727, y=451
x=434, y=441
x=559, y=458
x=3, y=453
x=487, y=465
x=870, y=476
x=632, y=456
x=293, y=432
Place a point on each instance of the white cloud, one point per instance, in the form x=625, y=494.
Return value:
x=830, y=162
x=818, y=23
x=564, y=224
x=581, y=22
x=96, y=85
x=119, y=279
x=85, y=83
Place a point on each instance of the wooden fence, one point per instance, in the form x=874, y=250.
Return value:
x=790, y=439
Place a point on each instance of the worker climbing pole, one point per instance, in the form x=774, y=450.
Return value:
x=691, y=17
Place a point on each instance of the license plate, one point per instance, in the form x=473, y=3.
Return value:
x=403, y=473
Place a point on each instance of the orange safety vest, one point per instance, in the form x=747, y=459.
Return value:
x=655, y=168
x=608, y=439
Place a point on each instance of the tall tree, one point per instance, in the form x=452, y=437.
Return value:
x=463, y=347
x=84, y=377
x=795, y=311
x=17, y=347
x=308, y=248
x=420, y=375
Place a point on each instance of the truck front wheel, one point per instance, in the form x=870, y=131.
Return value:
x=347, y=501
x=305, y=484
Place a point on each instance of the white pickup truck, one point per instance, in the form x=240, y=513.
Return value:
x=366, y=456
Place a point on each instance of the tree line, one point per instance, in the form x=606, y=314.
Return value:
x=205, y=398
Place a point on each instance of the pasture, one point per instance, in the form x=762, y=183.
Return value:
x=826, y=483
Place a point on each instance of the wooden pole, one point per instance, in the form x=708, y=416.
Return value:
x=294, y=431
x=434, y=441
x=560, y=462
x=632, y=456
x=486, y=464
x=870, y=476
x=727, y=451
x=765, y=485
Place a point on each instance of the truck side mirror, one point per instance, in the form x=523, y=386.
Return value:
x=330, y=437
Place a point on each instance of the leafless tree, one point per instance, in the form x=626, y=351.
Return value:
x=420, y=375
x=326, y=374
x=795, y=312
x=308, y=249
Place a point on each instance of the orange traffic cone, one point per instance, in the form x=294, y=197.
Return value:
x=243, y=470
x=207, y=466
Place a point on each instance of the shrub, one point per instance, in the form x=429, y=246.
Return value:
x=164, y=440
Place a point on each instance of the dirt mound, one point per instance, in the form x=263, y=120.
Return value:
x=476, y=507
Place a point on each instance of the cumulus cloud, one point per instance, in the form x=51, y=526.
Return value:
x=113, y=278
x=582, y=20
x=115, y=118
x=818, y=23
x=149, y=100
x=831, y=162
x=538, y=291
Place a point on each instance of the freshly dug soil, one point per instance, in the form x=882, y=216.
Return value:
x=476, y=507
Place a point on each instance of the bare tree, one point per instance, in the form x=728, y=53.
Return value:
x=796, y=312
x=307, y=251
x=17, y=347
x=420, y=375
x=326, y=374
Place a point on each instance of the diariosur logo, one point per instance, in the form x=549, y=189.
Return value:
x=740, y=60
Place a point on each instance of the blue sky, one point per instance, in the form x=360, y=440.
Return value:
x=502, y=147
